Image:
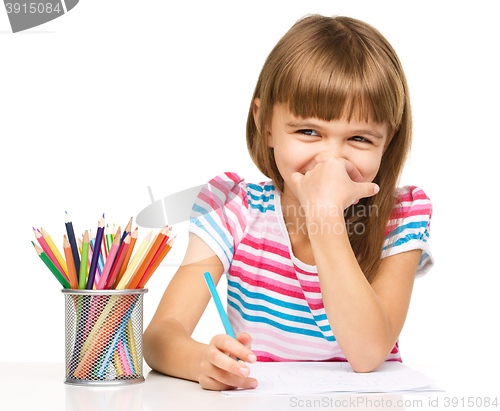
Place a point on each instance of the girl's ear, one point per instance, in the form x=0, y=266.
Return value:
x=389, y=139
x=256, y=112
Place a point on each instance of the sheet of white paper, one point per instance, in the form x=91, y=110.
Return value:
x=323, y=377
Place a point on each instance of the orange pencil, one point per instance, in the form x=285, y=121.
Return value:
x=70, y=263
x=154, y=265
x=128, y=228
x=126, y=260
x=137, y=276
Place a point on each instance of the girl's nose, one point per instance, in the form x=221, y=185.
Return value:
x=326, y=154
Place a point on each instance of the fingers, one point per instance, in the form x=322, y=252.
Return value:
x=353, y=172
x=218, y=370
x=366, y=190
x=296, y=177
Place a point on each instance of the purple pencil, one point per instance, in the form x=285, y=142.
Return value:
x=95, y=256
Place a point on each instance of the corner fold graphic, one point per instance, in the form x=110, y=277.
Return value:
x=25, y=14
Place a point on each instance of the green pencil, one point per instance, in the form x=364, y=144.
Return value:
x=45, y=258
x=109, y=238
x=85, y=262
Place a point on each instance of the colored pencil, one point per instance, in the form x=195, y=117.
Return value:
x=51, y=266
x=109, y=263
x=126, y=260
x=85, y=261
x=220, y=308
x=48, y=251
x=54, y=250
x=156, y=260
x=95, y=256
x=72, y=241
x=73, y=280
x=134, y=262
x=109, y=240
x=154, y=264
x=118, y=263
x=137, y=276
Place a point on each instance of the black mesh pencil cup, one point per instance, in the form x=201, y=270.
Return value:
x=104, y=337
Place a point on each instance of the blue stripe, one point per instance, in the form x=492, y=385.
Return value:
x=196, y=221
x=275, y=301
x=263, y=308
x=216, y=226
x=262, y=197
x=267, y=187
x=407, y=238
x=294, y=330
x=262, y=209
x=412, y=225
x=422, y=258
x=264, y=297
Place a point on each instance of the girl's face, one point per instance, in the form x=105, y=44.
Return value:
x=300, y=143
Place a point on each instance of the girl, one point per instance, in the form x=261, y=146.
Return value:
x=320, y=261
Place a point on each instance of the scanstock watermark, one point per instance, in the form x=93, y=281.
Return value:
x=24, y=15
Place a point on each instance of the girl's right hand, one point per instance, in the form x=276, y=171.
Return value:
x=219, y=369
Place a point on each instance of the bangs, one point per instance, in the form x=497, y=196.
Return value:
x=341, y=78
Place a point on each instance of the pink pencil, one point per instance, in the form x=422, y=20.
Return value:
x=109, y=261
x=123, y=359
x=48, y=251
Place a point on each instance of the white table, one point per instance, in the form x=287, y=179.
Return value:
x=40, y=386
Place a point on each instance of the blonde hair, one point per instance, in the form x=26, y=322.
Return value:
x=339, y=68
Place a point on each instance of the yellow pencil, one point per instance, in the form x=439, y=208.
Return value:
x=55, y=251
x=134, y=262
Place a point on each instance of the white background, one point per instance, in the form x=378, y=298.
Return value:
x=116, y=96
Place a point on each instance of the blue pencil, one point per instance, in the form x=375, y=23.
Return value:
x=74, y=247
x=220, y=308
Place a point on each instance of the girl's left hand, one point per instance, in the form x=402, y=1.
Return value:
x=332, y=185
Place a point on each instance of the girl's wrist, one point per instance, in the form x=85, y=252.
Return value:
x=329, y=224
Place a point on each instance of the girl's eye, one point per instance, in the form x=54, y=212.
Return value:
x=308, y=132
x=361, y=139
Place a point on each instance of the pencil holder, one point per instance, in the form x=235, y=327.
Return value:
x=104, y=336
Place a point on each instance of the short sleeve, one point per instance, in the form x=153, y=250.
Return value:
x=218, y=215
x=409, y=227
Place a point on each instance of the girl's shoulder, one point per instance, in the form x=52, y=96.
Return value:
x=411, y=202
x=228, y=185
x=409, y=226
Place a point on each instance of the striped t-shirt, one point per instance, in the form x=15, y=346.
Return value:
x=271, y=294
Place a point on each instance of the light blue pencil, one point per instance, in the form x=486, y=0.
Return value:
x=220, y=308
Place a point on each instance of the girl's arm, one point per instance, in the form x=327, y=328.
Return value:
x=168, y=346
x=365, y=319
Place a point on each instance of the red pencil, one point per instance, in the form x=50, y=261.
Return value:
x=118, y=262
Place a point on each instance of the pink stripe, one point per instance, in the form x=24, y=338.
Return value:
x=266, y=245
x=264, y=264
x=256, y=280
x=303, y=272
x=263, y=356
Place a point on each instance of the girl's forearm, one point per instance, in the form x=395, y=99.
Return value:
x=170, y=350
x=356, y=315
